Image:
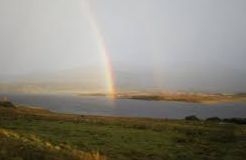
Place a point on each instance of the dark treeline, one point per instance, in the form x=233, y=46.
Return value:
x=217, y=119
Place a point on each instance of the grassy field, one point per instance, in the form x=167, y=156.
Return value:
x=36, y=134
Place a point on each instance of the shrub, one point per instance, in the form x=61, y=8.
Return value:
x=7, y=104
x=214, y=119
x=192, y=118
x=236, y=120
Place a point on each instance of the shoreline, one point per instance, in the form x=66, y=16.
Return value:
x=176, y=97
x=43, y=112
x=186, y=97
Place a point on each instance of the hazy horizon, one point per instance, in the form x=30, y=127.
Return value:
x=193, y=45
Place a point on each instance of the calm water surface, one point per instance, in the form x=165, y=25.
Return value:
x=127, y=107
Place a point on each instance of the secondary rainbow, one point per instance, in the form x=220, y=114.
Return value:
x=102, y=48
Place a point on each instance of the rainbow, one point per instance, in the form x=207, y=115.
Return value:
x=102, y=48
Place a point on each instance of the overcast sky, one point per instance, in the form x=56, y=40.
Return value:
x=191, y=44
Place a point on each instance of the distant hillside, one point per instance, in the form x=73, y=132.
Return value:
x=91, y=79
x=76, y=80
x=67, y=80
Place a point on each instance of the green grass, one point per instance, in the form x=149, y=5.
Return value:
x=67, y=136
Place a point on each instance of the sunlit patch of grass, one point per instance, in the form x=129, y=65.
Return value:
x=28, y=147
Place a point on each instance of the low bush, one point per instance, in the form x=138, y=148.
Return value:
x=192, y=118
x=7, y=104
x=235, y=120
x=213, y=119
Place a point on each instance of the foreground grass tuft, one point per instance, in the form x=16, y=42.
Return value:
x=28, y=147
